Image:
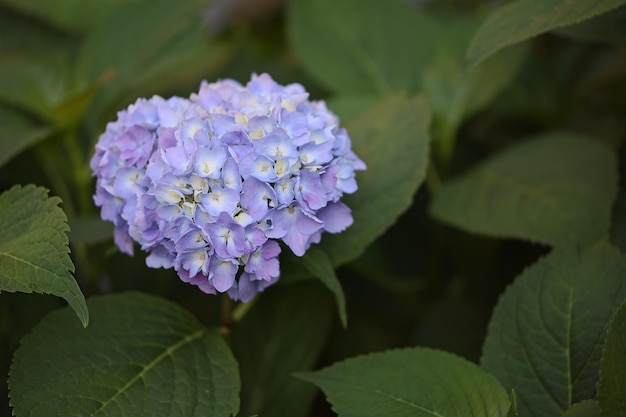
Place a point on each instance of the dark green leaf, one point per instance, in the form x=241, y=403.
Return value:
x=392, y=139
x=18, y=133
x=552, y=189
x=73, y=15
x=546, y=334
x=520, y=20
x=141, y=355
x=362, y=47
x=587, y=408
x=282, y=333
x=410, y=383
x=33, y=247
x=607, y=27
x=89, y=230
x=612, y=387
x=317, y=262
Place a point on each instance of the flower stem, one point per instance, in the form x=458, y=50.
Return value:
x=227, y=314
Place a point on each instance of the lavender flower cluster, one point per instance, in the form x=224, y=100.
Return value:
x=209, y=185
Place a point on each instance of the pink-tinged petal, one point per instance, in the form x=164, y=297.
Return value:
x=222, y=273
x=336, y=217
x=309, y=190
x=294, y=227
x=257, y=198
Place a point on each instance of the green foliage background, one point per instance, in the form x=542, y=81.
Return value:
x=485, y=270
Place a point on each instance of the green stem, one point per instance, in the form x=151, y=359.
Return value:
x=227, y=314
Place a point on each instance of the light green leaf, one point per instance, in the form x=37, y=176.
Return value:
x=34, y=248
x=382, y=46
x=392, y=138
x=612, y=387
x=282, y=333
x=520, y=20
x=587, y=408
x=18, y=133
x=140, y=356
x=552, y=189
x=317, y=262
x=546, y=334
x=411, y=383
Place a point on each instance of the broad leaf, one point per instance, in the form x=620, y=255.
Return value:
x=317, y=262
x=454, y=94
x=612, y=387
x=392, y=139
x=520, y=20
x=17, y=133
x=587, y=408
x=411, y=383
x=141, y=355
x=381, y=46
x=607, y=27
x=550, y=189
x=89, y=230
x=34, y=247
x=282, y=333
x=72, y=15
x=546, y=334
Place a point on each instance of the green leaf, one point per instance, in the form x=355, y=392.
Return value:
x=33, y=247
x=141, y=355
x=72, y=15
x=587, y=408
x=546, y=334
x=282, y=333
x=454, y=94
x=89, y=230
x=382, y=46
x=612, y=387
x=607, y=27
x=524, y=19
x=392, y=138
x=317, y=262
x=411, y=383
x=18, y=133
x=552, y=189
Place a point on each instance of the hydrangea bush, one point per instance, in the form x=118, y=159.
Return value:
x=477, y=271
x=209, y=185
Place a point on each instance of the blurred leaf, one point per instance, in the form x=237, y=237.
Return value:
x=17, y=133
x=454, y=94
x=33, y=86
x=587, y=408
x=72, y=15
x=551, y=189
x=410, y=383
x=317, y=262
x=392, y=139
x=612, y=386
x=169, y=44
x=89, y=230
x=523, y=19
x=347, y=107
x=607, y=27
x=546, y=333
x=283, y=332
x=141, y=355
x=362, y=47
x=33, y=247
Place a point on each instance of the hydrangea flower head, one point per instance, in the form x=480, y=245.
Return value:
x=211, y=184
